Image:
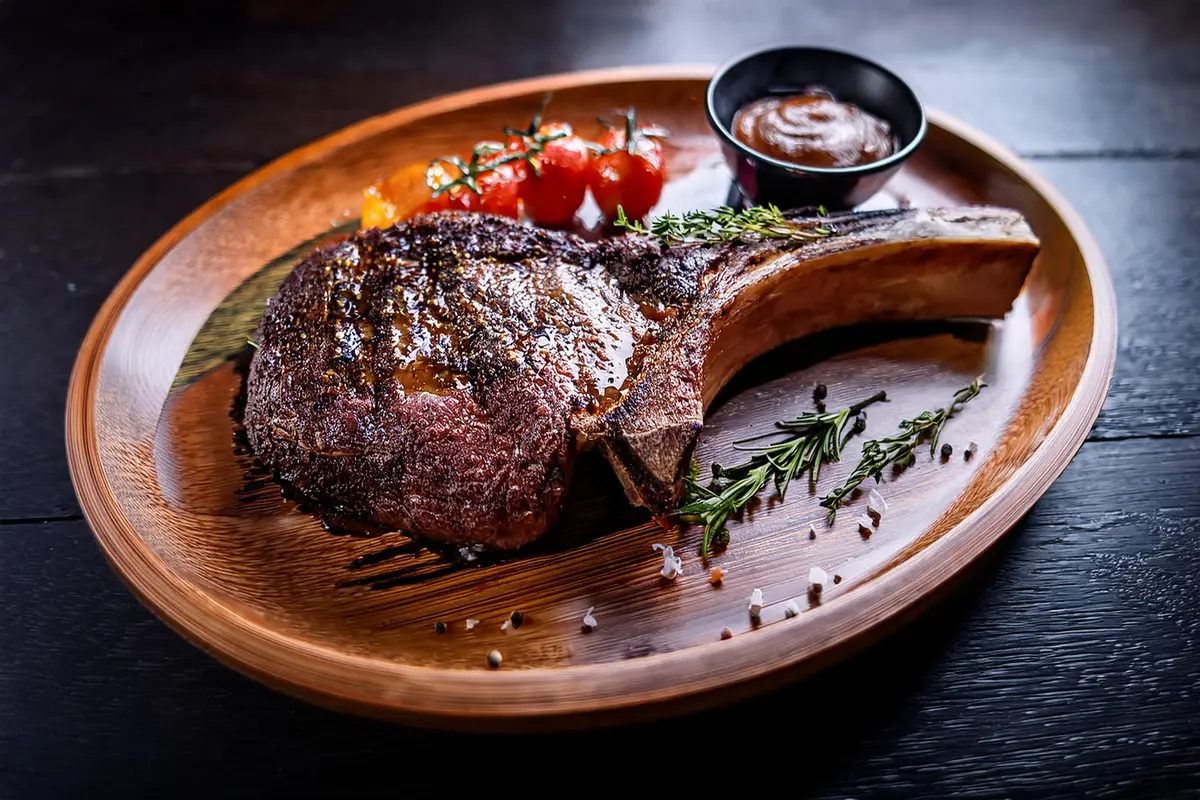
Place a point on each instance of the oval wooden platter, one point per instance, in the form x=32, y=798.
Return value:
x=211, y=545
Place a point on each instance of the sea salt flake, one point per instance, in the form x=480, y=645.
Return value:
x=589, y=621
x=812, y=531
x=506, y=625
x=471, y=623
x=756, y=603
x=791, y=609
x=817, y=578
x=672, y=564
x=876, y=505
x=866, y=525
x=971, y=449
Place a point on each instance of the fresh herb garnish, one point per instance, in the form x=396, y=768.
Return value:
x=485, y=156
x=899, y=449
x=725, y=225
x=252, y=343
x=812, y=440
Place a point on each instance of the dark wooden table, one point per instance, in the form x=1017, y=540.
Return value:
x=1069, y=666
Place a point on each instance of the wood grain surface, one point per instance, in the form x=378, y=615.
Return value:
x=153, y=458
x=1054, y=674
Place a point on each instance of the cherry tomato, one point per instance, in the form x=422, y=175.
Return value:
x=500, y=190
x=633, y=181
x=553, y=197
x=396, y=198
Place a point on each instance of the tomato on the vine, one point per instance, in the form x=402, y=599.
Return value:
x=630, y=177
x=498, y=189
x=554, y=189
x=396, y=198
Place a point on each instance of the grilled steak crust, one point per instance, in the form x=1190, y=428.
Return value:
x=440, y=375
x=425, y=376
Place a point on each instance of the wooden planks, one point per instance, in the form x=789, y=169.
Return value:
x=1076, y=641
x=217, y=88
x=63, y=244
x=107, y=702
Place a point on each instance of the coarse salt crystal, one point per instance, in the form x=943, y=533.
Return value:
x=589, y=621
x=506, y=625
x=865, y=525
x=876, y=505
x=971, y=448
x=756, y=603
x=672, y=564
x=791, y=609
x=726, y=633
x=812, y=531
x=817, y=578
x=471, y=623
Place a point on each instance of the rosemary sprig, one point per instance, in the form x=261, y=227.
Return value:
x=812, y=439
x=726, y=224
x=899, y=449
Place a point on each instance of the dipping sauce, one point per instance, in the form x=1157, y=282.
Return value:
x=813, y=129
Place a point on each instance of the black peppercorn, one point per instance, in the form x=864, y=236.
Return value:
x=820, y=392
x=947, y=450
x=517, y=618
x=439, y=627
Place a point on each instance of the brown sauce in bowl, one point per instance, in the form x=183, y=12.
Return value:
x=813, y=129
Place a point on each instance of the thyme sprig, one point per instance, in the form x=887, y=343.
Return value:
x=812, y=440
x=484, y=159
x=726, y=224
x=485, y=155
x=899, y=449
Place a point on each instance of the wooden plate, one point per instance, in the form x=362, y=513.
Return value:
x=211, y=545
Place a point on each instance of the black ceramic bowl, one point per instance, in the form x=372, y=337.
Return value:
x=789, y=70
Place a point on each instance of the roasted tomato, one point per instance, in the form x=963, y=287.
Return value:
x=555, y=190
x=396, y=198
x=499, y=190
x=408, y=192
x=628, y=176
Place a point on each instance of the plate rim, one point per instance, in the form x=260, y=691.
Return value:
x=515, y=699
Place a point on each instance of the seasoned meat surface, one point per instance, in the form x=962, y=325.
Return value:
x=426, y=375
x=439, y=376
